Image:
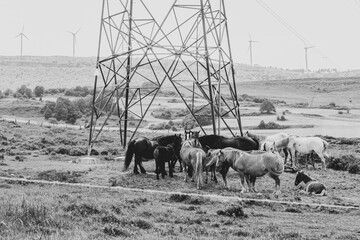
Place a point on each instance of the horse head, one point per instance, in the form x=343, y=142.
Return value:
x=220, y=159
x=272, y=147
x=195, y=134
x=299, y=177
x=187, y=134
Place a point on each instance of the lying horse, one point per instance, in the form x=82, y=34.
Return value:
x=307, y=145
x=193, y=157
x=311, y=185
x=249, y=166
x=143, y=149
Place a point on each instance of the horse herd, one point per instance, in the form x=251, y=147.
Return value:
x=251, y=156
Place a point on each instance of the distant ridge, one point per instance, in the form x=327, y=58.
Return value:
x=63, y=71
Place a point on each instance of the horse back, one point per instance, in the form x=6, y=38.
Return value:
x=282, y=142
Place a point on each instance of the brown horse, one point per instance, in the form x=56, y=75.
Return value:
x=249, y=166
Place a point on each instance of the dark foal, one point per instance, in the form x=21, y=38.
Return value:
x=312, y=186
x=162, y=155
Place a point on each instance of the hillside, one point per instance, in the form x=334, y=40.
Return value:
x=57, y=71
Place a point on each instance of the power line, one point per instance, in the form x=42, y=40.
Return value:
x=357, y=3
x=283, y=22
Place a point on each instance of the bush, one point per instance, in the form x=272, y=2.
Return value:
x=345, y=163
x=270, y=125
x=39, y=91
x=267, y=106
x=282, y=118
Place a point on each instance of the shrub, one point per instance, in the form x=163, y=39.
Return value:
x=267, y=106
x=332, y=104
x=282, y=118
x=345, y=163
x=340, y=112
x=270, y=125
x=39, y=91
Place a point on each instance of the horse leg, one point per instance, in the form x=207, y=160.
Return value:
x=248, y=182
x=225, y=181
x=213, y=172
x=252, y=182
x=323, y=167
x=170, y=169
x=163, y=171
x=277, y=184
x=181, y=166
x=293, y=157
x=142, y=169
x=136, y=171
x=312, y=159
x=157, y=169
x=286, y=155
x=242, y=182
x=186, y=174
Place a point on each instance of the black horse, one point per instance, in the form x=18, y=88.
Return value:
x=162, y=155
x=220, y=142
x=143, y=148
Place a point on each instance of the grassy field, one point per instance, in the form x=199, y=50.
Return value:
x=170, y=208
x=72, y=212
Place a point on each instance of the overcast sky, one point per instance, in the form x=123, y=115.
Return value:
x=332, y=26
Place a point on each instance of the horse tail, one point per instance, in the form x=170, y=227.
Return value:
x=129, y=154
x=199, y=169
x=263, y=146
x=275, y=164
x=325, y=145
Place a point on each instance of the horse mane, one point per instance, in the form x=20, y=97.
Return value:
x=257, y=137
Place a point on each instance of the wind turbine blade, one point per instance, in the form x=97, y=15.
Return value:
x=77, y=30
x=26, y=37
x=18, y=35
x=249, y=36
x=22, y=29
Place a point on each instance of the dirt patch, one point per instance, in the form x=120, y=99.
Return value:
x=54, y=175
x=233, y=211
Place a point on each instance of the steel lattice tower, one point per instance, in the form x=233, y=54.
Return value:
x=187, y=49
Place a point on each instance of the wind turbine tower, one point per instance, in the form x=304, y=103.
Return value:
x=306, y=57
x=250, y=48
x=22, y=35
x=74, y=40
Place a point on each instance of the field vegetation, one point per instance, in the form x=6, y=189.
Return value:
x=97, y=201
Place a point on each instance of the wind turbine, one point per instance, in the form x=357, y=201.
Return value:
x=21, y=35
x=250, y=47
x=74, y=40
x=306, y=57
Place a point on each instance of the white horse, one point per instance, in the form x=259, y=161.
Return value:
x=193, y=157
x=265, y=142
x=307, y=145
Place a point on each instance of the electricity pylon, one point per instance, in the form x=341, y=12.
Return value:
x=187, y=50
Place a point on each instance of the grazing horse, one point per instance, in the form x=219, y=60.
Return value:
x=143, y=149
x=249, y=166
x=308, y=145
x=193, y=158
x=162, y=155
x=265, y=141
x=311, y=185
x=220, y=142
